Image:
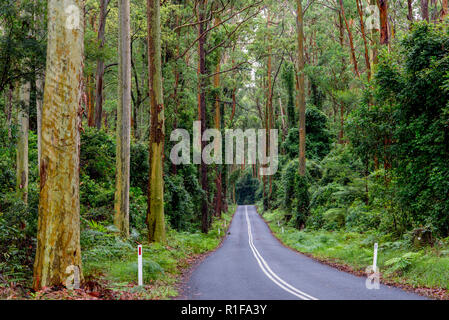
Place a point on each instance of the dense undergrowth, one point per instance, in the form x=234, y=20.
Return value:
x=106, y=256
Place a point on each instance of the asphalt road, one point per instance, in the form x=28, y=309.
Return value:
x=253, y=265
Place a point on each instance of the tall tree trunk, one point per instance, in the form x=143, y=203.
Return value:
x=365, y=41
x=9, y=109
x=99, y=95
x=58, y=239
x=218, y=179
x=89, y=89
x=269, y=103
x=374, y=38
x=301, y=99
x=343, y=68
x=176, y=75
x=425, y=10
x=39, y=102
x=202, y=112
x=22, y=144
x=155, y=217
x=383, y=13
x=121, y=217
x=351, y=41
x=435, y=12
x=410, y=11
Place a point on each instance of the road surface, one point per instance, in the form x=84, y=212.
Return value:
x=252, y=264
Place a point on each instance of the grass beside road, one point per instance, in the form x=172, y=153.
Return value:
x=110, y=264
x=163, y=264
x=425, y=270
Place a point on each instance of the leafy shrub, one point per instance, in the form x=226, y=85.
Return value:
x=318, y=138
x=402, y=264
x=302, y=201
x=334, y=218
x=288, y=182
x=97, y=158
x=246, y=188
x=179, y=206
x=139, y=166
x=18, y=228
x=361, y=218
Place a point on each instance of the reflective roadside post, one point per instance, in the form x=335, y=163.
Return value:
x=139, y=265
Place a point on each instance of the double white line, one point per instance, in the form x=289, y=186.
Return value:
x=267, y=270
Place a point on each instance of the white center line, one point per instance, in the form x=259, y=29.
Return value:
x=267, y=270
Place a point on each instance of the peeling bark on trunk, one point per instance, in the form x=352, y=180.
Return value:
x=301, y=94
x=121, y=206
x=22, y=143
x=155, y=217
x=58, y=240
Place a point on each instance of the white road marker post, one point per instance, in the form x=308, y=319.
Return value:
x=373, y=279
x=282, y=229
x=139, y=265
x=375, y=258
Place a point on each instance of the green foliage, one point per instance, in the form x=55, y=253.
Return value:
x=318, y=138
x=179, y=206
x=246, y=188
x=402, y=263
x=139, y=166
x=406, y=128
x=395, y=260
x=18, y=227
x=302, y=201
x=289, y=174
x=288, y=73
x=97, y=158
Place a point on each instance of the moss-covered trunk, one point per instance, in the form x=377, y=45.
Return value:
x=155, y=216
x=121, y=205
x=58, y=240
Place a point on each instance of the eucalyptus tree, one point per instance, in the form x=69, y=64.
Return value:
x=123, y=125
x=155, y=216
x=58, y=251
